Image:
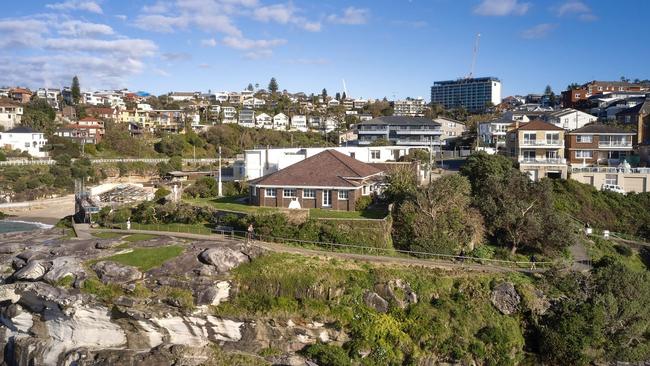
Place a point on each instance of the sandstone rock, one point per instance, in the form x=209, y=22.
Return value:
x=374, y=301
x=111, y=272
x=214, y=295
x=124, y=301
x=62, y=267
x=107, y=244
x=398, y=291
x=32, y=271
x=223, y=259
x=10, y=248
x=505, y=298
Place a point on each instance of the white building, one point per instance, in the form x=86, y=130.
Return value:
x=360, y=103
x=221, y=97
x=229, y=114
x=569, y=119
x=182, y=96
x=314, y=122
x=280, y=121
x=299, y=122
x=410, y=107
x=493, y=133
x=24, y=139
x=263, y=120
x=10, y=114
x=247, y=118
x=51, y=96
x=253, y=103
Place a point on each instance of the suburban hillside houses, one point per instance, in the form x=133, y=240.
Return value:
x=329, y=180
x=451, y=129
x=410, y=107
x=10, y=114
x=569, y=118
x=87, y=130
x=26, y=140
x=599, y=144
x=538, y=147
x=401, y=131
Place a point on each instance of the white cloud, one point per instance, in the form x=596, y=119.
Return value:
x=350, y=16
x=259, y=54
x=77, y=28
x=90, y=6
x=576, y=7
x=161, y=23
x=21, y=33
x=501, y=8
x=249, y=44
x=285, y=14
x=121, y=17
x=204, y=66
x=157, y=8
x=123, y=47
x=176, y=56
x=211, y=42
x=538, y=31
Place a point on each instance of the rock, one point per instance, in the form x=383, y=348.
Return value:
x=63, y=267
x=107, y=244
x=196, y=331
x=223, y=259
x=538, y=303
x=124, y=301
x=10, y=248
x=374, y=301
x=214, y=295
x=111, y=272
x=18, y=263
x=505, y=298
x=398, y=291
x=32, y=271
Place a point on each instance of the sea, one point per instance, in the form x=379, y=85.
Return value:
x=7, y=226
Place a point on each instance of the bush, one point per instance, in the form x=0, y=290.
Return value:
x=362, y=203
x=623, y=250
x=324, y=354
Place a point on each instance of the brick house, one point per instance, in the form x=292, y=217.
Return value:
x=538, y=147
x=599, y=144
x=329, y=180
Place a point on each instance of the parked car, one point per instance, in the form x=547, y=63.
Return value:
x=613, y=188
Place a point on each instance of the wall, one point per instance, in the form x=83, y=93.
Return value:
x=630, y=182
x=260, y=199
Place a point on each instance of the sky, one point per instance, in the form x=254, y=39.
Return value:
x=381, y=48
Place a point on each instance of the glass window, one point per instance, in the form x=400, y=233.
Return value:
x=584, y=154
x=309, y=193
x=343, y=195
x=611, y=179
x=270, y=192
x=289, y=193
x=254, y=191
x=374, y=154
x=584, y=138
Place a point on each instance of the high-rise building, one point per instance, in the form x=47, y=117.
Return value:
x=472, y=94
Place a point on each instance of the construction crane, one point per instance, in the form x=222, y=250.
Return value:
x=345, y=89
x=471, y=70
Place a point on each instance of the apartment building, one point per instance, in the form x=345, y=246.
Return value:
x=11, y=114
x=538, y=147
x=569, y=118
x=280, y=121
x=451, y=129
x=263, y=120
x=24, y=139
x=575, y=96
x=402, y=131
x=599, y=144
x=88, y=130
x=247, y=118
x=51, y=96
x=638, y=116
x=409, y=107
x=229, y=114
x=299, y=122
x=473, y=94
x=493, y=133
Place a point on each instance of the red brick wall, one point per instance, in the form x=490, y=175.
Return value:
x=279, y=201
x=572, y=145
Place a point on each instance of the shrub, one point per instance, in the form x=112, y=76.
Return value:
x=623, y=250
x=362, y=203
x=325, y=354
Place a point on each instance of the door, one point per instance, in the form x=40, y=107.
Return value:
x=327, y=198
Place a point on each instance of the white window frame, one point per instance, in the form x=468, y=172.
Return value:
x=273, y=195
x=585, y=139
x=372, y=154
x=290, y=195
x=584, y=154
x=312, y=196
x=345, y=197
x=323, y=193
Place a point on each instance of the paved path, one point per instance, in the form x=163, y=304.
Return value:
x=283, y=248
x=581, y=259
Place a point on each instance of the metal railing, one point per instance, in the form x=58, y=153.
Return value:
x=615, y=144
x=542, y=143
x=542, y=161
x=611, y=170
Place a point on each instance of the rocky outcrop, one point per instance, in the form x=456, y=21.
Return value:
x=214, y=295
x=62, y=267
x=32, y=271
x=226, y=258
x=111, y=272
x=374, y=301
x=505, y=298
x=397, y=291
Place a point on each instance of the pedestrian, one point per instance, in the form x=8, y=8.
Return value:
x=532, y=262
x=249, y=235
x=128, y=224
x=461, y=256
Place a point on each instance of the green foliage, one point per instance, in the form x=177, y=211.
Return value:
x=75, y=90
x=65, y=281
x=106, y=292
x=147, y=258
x=324, y=354
x=401, y=184
x=380, y=142
x=118, y=141
x=204, y=187
x=160, y=194
x=39, y=116
x=273, y=86
x=178, y=297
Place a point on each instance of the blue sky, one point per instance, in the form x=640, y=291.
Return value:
x=393, y=48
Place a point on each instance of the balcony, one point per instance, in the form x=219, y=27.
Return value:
x=374, y=131
x=421, y=142
x=428, y=132
x=621, y=144
x=542, y=143
x=542, y=161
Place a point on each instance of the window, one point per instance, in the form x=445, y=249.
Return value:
x=270, y=192
x=352, y=155
x=289, y=193
x=577, y=95
x=343, y=195
x=584, y=154
x=309, y=193
x=253, y=191
x=552, y=138
x=584, y=139
x=611, y=179
x=374, y=154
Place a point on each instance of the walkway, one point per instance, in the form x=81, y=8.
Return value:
x=283, y=248
x=581, y=259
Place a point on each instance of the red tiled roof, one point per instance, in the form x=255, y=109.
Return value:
x=539, y=125
x=99, y=127
x=20, y=90
x=329, y=168
x=89, y=119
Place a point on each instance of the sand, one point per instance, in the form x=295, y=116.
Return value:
x=47, y=211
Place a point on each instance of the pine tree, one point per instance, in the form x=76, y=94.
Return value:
x=273, y=86
x=344, y=96
x=338, y=96
x=250, y=87
x=324, y=94
x=75, y=89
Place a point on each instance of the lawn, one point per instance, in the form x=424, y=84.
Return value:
x=318, y=213
x=177, y=228
x=139, y=237
x=107, y=235
x=147, y=258
x=232, y=203
x=601, y=247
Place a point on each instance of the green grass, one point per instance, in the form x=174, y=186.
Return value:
x=107, y=235
x=318, y=213
x=202, y=229
x=146, y=258
x=230, y=204
x=139, y=237
x=601, y=248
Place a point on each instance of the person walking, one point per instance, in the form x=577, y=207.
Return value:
x=532, y=262
x=249, y=235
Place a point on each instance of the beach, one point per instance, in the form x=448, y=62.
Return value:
x=46, y=211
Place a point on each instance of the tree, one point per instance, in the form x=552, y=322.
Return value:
x=380, y=142
x=344, y=96
x=439, y=218
x=273, y=86
x=324, y=94
x=39, y=116
x=250, y=87
x=401, y=184
x=75, y=89
x=572, y=86
x=548, y=90
x=337, y=96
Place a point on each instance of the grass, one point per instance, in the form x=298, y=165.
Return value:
x=107, y=235
x=601, y=248
x=318, y=213
x=203, y=229
x=230, y=204
x=146, y=258
x=139, y=237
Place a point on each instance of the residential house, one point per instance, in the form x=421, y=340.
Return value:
x=20, y=95
x=409, y=107
x=599, y=144
x=10, y=114
x=299, y=122
x=327, y=180
x=91, y=98
x=172, y=120
x=451, y=129
x=263, y=120
x=638, y=116
x=333, y=103
x=328, y=125
x=314, y=122
x=221, y=97
x=348, y=104
x=360, y=103
x=280, y=121
x=102, y=112
x=51, y=96
x=404, y=131
x=493, y=133
x=538, y=147
x=253, y=103
x=576, y=96
x=24, y=139
x=229, y=114
x=136, y=116
x=88, y=130
x=182, y=96
x=235, y=98
x=247, y=118
x=135, y=129
x=365, y=117
x=569, y=118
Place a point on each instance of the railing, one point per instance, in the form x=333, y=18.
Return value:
x=542, y=143
x=542, y=161
x=612, y=170
x=117, y=160
x=615, y=144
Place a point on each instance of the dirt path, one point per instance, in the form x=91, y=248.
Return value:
x=581, y=259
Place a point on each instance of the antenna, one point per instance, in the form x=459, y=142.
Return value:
x=345, y=89
x=471, y=70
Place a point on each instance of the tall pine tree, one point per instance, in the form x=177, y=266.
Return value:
x=75, y=89
x=273, y=86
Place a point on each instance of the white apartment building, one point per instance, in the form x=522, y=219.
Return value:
x=51, y=96
x=253, y=103
x=263, y=120
x=280, y=121
x=247, y=118
x=229, y=114
x=569, y=119
x=24, y=139
x=410, y=107
x=10, y=114
x=182, y=96
x=299, y=122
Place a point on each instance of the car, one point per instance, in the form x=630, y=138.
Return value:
x=613, y=188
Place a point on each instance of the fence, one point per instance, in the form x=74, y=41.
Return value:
x=104, y=161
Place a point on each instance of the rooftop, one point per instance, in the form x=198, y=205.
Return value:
x=539, y=125
x=400, y=121
x=21, y=129
x=600, y=128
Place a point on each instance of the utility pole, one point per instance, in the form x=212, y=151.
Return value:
x=219, y=189
x=430, y=158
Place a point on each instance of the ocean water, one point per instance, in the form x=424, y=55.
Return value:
x=7, y=226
